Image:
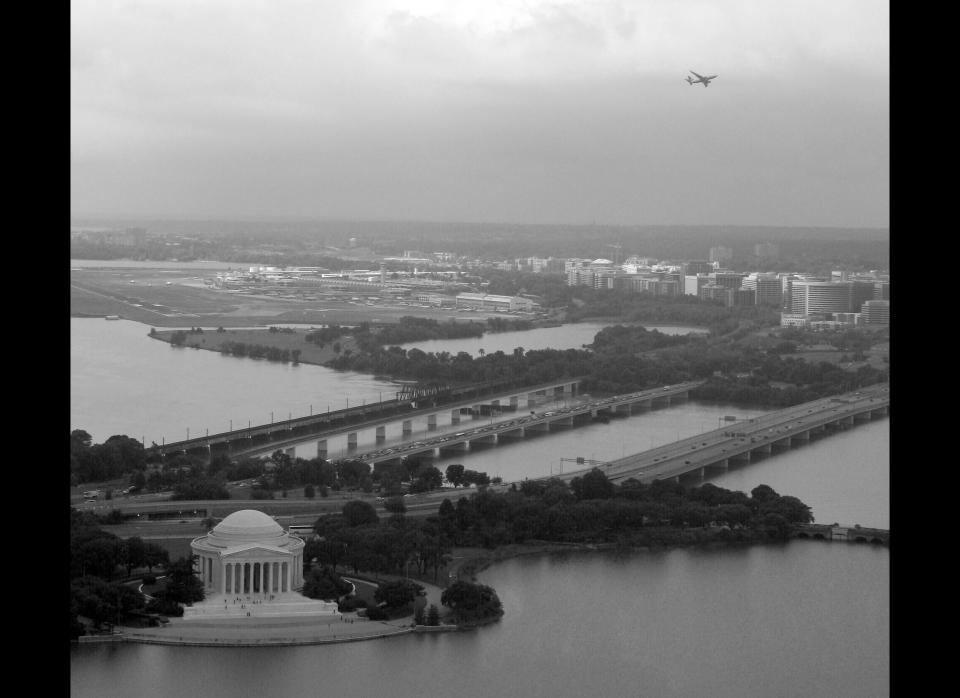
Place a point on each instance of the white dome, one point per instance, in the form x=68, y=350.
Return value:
x=248, y=525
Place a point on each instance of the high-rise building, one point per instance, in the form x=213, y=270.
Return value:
x=692, y=284
x=875, y=313
x=728, y=279
x=861, y=291
x=808, y=297
x=768, y=288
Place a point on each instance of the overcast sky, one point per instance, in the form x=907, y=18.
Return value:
x=483, y=110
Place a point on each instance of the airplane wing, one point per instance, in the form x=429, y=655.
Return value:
x=711, y=77
x=699, y=76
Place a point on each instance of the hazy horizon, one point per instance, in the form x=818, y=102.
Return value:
x=460, y=111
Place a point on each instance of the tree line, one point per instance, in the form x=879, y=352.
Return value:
x=99, y=561
x=591, y=509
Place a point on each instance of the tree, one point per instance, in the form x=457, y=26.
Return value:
x=138, y=480
x=322, y=583
x=396, y=594
x=183, y=586
x=135, y=553
x=593, y=485
x=433, y=615
x=471, y=602
x=357, y=512
x=309, y=492
x=395, y=506
x=428, y=478
x=455, y=474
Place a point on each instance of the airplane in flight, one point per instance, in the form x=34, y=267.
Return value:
x=700, y=78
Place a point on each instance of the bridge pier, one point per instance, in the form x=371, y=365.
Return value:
x=531, y=400
x=322, y=449
x=487, y=440
x=291, y=452
x=455, y=416
x=407, y=427
x=431, y=422
x=514, y=403
x=352, y=441
x=455, y=447
x=381, y=434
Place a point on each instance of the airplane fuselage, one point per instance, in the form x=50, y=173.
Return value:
x=705, y=80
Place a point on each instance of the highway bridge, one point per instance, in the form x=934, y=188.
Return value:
x=764, y=435
x=534, y=423
x=849, y=534
x=474, y=400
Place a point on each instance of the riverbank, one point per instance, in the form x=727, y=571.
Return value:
x=267, y=631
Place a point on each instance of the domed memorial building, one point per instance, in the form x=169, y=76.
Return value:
x=250, y=566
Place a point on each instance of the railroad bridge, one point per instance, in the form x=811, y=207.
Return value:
x=474, y=400
x=535, y=423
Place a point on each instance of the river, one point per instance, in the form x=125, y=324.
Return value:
x=572, y=336
x=799, y=619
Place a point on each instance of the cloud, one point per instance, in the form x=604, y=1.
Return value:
x=414, y=105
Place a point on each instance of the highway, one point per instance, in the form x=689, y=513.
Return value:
x=739, y=439
x=426, y=447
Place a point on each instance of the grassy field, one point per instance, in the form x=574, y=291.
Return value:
x=310, y=353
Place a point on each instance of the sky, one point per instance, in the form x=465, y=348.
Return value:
x=522, y=111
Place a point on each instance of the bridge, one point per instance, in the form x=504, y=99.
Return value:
x=770, y=433
x=267, y=438
x=533, y=423
x=849, y=534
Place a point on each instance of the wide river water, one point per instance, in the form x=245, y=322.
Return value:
x=806, y=618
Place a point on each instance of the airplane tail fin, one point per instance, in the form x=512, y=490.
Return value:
x=689, y=81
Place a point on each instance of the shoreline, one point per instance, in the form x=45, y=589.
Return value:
x=307, y=631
